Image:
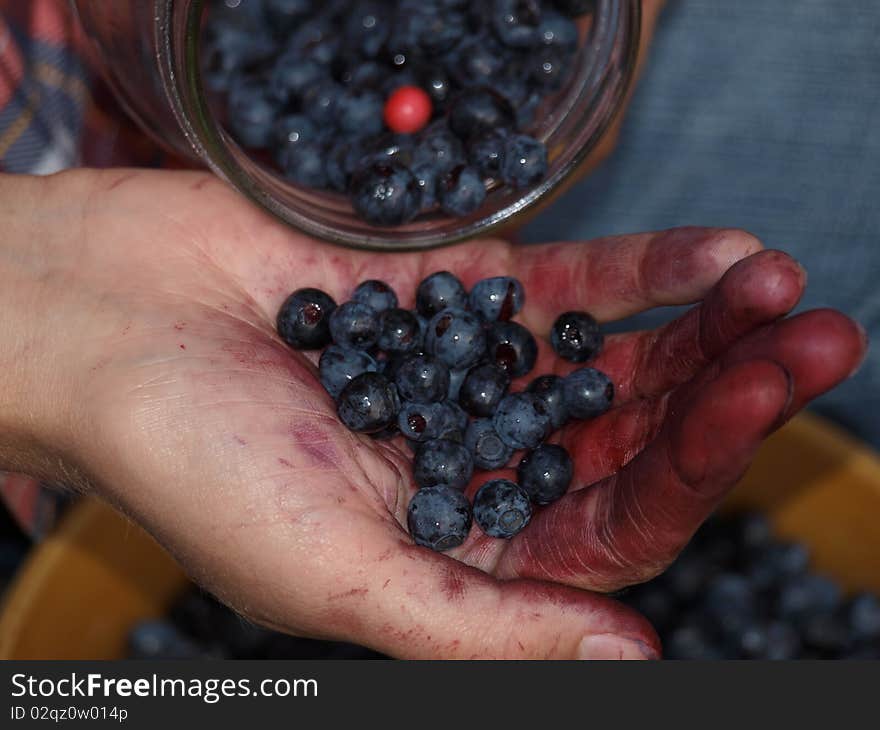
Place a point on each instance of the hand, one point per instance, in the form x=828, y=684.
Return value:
x=140, y=362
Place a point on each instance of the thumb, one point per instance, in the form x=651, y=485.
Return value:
x=423, y=605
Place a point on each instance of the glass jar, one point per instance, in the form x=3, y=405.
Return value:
x=150, y=51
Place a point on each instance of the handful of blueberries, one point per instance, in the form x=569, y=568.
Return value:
x=312, y=85
x=440, y=376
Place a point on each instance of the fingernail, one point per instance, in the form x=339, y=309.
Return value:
x=605, y=647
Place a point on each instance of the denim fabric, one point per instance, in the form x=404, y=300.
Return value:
x=765, y=116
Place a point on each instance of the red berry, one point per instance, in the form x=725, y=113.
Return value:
x=408, y=109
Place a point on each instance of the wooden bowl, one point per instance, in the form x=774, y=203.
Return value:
x=80, y=591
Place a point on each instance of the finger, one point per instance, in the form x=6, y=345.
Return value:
x=619, y=276
x=753, y=292
x=630, y=526
x=410, y=602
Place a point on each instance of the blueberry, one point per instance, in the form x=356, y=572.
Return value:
x=691, y=641
x=438, y=148
x=777, y=564
x=807, y=595
x=440, y=291
x=458, y=419
x=456, y=337
x=230, y=47
x=575, y=336
x=360, y=112
x=304, y=319
x=322, y=102
x=160, y=640
x=367, y=27
x=303, y=164
x=436, y=83
x=479, y=110
x=376, y=294
x=362, y=75
x=461, y=191
x=826, y=633
x=439, y=518
x=283, y=15
x=502, y=508
x=426, y=176
x=545, y=473
x=486, y=152
x=521, y=420
x=551, y=390
x=549, y=68
x=442, y=462
x=516, y=22
x=730, y=601
x=783, y=642
x=477, y=61
x=355, y=325
x=486, y=446
x=339, y=366
x=512, y=347
x=385, y=194
x=525, y=161
x=422, y=421
x=251, y=113
x=401, y=331
x=368, y=404
x=292, y=130
x=420, y=29
x=588, y=393
x=317, y=40
x=864, y=617
x=422, y=379
x=497, y=298
x=576, y=8
x=291, y=77
x=483, y=388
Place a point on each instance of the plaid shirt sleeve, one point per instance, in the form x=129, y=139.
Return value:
x=54, y=114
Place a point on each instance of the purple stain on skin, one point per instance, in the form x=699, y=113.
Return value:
x=315, y=443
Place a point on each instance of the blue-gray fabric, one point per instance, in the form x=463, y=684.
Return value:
x=764, y=116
